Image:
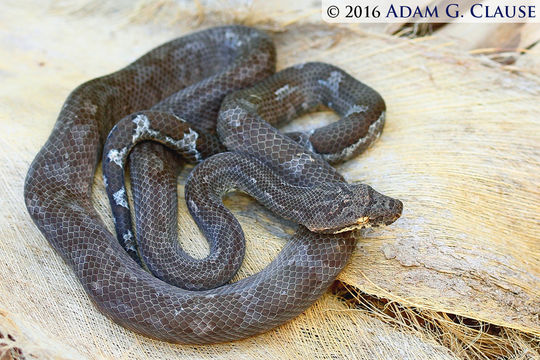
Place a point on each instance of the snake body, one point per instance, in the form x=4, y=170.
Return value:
x=179, y=82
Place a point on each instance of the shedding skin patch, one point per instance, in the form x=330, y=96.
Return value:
x=233, y=39
x=332, y=83
x=193, y=206
x=117, y=156
x=284, y=91
x=187, y=143
x=357, y=109
x=234, y=121
x=374, y=131
x=296, y=165
x=92, y=108
x=129, y=240
x=248, y=105
x=120, y=198
x=143, y=127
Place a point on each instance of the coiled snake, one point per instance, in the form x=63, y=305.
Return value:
x=183, y=83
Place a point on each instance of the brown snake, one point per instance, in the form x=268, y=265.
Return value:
x=183, y=83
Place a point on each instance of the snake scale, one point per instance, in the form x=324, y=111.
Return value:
x=200, y=95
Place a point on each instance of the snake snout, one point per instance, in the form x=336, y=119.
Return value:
x=353, y=206
x=396, y=208
x=384, y=210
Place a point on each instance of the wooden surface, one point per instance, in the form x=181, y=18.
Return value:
x=460, y=149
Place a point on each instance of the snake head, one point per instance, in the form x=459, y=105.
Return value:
x=341, y=207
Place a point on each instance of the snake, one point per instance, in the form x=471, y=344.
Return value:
x=170, y=95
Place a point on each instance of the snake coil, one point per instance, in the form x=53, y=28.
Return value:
x=174, y=94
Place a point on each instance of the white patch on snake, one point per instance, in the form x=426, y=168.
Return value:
x=246, y=105
x=255, y=96
x=374, y=131
x=120, y=198
x=234, y=121
x=90, y=107
x=284, y=91
x=105, y=182
x=143, y=127
x=129, y=240
x=299, y=66
x=296, y=165
x=187, y=143
x=193, y=206
x=268, y=196
x=357, y=109
x=332, y=83
x=279, y=206
x=117, y=156
x=232, y=38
